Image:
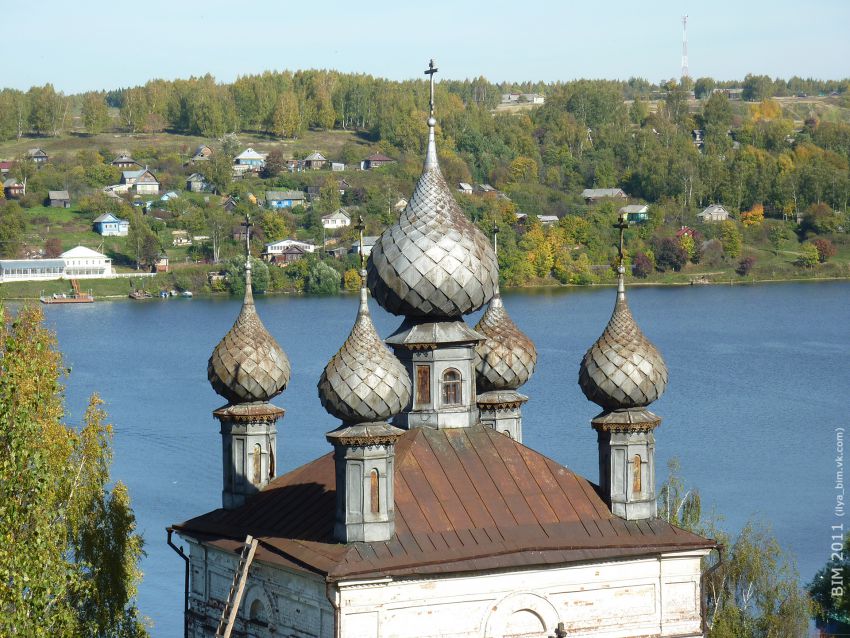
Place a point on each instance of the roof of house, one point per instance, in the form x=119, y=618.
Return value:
x=464, y=186
x=108, y=217
x=315, y=156
x=290, y=242
x=196, y=177
x=123, y=157
x=634, y=208
x=5, y=165
x=36, y=152
x=58, y=195
x=273, y=196
x=466, y=499
x=138, y=174
x=201, y=148
x=548, y=218
x=379, y=157
x=713, y=208
x=81, y=251
x=338, y=214
x=30, y=263
x=11, y=182
x=250, y=153
x=603, y=192
x=368, y=240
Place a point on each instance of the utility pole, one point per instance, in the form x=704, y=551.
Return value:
x=685, y=47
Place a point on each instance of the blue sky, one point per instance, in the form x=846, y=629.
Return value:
x=95, y=44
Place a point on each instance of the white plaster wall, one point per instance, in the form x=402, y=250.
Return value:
x=650, y=597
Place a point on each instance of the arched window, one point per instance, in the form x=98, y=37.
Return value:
x=636, y=471
x=375, y=494
x=258, y=464
x=452, y=394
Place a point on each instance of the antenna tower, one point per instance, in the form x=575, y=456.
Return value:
x=685, y=47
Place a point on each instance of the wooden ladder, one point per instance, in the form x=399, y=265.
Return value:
x=76, y=286
x=234, y=598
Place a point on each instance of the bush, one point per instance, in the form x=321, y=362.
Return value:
x=809, y=257
x=642, y=266
x=669, y=254
x=825, y=248
x=745, y=266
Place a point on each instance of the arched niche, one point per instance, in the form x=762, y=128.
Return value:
x=521, y=614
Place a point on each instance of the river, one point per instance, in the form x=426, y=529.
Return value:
x=758, y=385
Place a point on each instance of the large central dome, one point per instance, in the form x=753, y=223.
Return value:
x=434, y=262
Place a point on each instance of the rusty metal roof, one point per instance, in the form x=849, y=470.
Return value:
x=466, y=499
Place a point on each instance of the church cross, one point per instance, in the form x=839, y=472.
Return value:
x=360, y=227
x=247, y=226
x=495, y=238
x=430, y=72
x=622, y=224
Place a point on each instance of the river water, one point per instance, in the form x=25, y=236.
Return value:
x=758, y=385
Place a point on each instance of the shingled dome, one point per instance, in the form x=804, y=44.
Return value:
x=364, y=382
x=434, y=262
x=248, y=365
x=622, y=369
x=506, y=359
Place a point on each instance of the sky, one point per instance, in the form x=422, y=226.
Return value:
x=89, y=45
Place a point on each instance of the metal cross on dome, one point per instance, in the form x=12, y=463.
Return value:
x=622, y=224
x=430, y=72
x=247, y=225
x=361, y=226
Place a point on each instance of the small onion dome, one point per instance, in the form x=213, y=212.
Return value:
x=364, y=382
x=506, y=359
x=248, y=365
x=622, y=369
x=434, y=262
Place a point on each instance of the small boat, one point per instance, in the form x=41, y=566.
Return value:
x=186, y=293
x=140, y=294
x=173, y=293
x=163, y=294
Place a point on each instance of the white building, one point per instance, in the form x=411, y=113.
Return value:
x=142, y=181
x=713, y=213
x=338, y=219
x=77, y=263
x=277, y=247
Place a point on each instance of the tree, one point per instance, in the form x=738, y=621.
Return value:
x=219, y=172
x=703, y=87
x=730, y=238
x=273, y=225
x=274, y=164
x=825, y=248
x=52, y=248
x=321, y=279
x=777, y=233
x=351, y=279
x=830, y=588
x=12, y=226
x=94, y=112
x=287, y=120
x=141, y=240
x=670, y=254
x=753, y=592
x=235, y=270
x=753, y=217
x=68, y=562
x=642, y=265
x=745, y=266
x=810, y=257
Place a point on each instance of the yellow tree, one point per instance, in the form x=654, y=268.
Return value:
x=754, y=216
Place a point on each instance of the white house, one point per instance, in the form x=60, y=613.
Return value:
x=368, y=243
x=464, y=188
x=250, y=158
x=337, y=219
x=82, y=262
x=714, y=213
x=277, y=247
x=77, y=263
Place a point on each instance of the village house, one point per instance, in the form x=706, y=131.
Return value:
x=202, y=154
x=125, y=162
x=5, y=167
x=548, y=220
x=161, y=263
x=82, y=262
x=593, y=195
x=278, y=247
x=142, y=181
x=635, y=213
x=31, y=269
x=376, y=160
x=38, y=156
x=343, y=186
x=337, y=219
x=486, y=190
x=13, y=189
x=180, y=238
x=464, y=188
x=287, y=255
x=368, y=243
x=713, y=213
x=314, y=193
x=685, y=231
x=229, y=203
x=59, y=199
x=337, y=167
x=284, y=199
x=314, y=161
x=295, y=165
x=197, y=183
x=249, y=159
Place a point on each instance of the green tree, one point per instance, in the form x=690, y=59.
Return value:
x=830, y=588
x=703, y=87
x=287, y=120
x=68, y=561
x=94, y=112
x=730, y=238
x=754, y=591
x=810, y=257
x=321, y=279
x=12, y=227
x=142, y=242
x=219, y=172
x=235, y=269
x=273, y=225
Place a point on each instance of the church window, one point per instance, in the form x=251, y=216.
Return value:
x=258, y=464
x=636, y=478
x=375, y=496
x=423, y=384
x=452, y=394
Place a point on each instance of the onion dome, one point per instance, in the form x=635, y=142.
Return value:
x=248, y=365
x=622, y=369
x=433, y=262
x=364, y=382
x=506, y=359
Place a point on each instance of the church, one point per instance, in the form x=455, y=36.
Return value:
x=428, y=516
